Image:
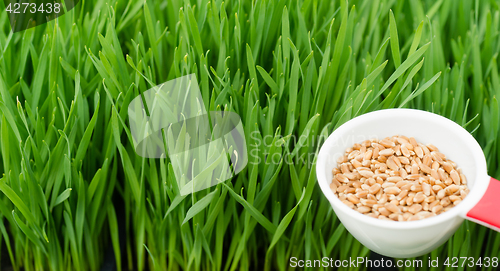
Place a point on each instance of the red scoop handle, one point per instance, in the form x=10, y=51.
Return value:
x=487, y=211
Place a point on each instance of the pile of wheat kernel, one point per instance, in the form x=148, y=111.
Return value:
x=398, y=179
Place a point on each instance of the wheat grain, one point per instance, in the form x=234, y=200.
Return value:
x=398, y=179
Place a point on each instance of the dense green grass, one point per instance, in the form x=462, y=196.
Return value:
x=288, y=68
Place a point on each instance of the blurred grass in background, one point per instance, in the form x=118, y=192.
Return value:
x=290, y=69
